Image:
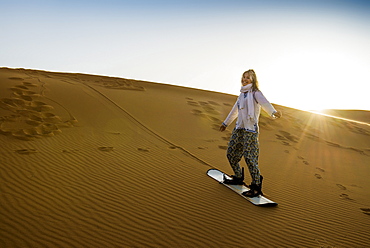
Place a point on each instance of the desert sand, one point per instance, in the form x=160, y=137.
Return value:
x=93, y=161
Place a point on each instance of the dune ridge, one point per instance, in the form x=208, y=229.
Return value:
x=93, y=161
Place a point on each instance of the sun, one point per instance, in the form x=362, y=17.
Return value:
x=313, y=79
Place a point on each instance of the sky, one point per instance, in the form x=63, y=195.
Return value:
x=309, y=55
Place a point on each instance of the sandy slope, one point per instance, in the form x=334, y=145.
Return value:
x=90, y=161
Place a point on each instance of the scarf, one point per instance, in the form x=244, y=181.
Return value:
x=247, y=102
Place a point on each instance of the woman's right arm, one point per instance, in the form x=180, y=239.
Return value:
x=231, y=117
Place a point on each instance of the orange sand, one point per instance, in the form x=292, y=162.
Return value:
x=92, y=161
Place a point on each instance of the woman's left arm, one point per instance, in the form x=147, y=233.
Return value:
x=266, y=105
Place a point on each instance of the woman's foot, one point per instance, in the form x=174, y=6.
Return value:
x=234, y=180
x=255, y=190
x=261, y=179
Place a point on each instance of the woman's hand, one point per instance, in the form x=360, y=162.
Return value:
x=222, y=128
x=277, y=114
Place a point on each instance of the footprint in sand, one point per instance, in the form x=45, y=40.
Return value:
x=143, y=149
x=313, y=137
x=203, y=103
x=333, y=144
x=26, y=151
x=223, y=147
x=289, y=136
x=216, y=127
x=320, y=169
x=10, y=104
x=105, y=148
x=365, y=210
x=31, y=93
x=341, y=186
x=32, y=118
x=345, y=197
x=16, y=78
x=214, y=103
x=303, y=160
x=26, y=98
x=28, y=84
x=318, y=176
x=33, y=123
x=22, y=87
x=193, y=103
x=120, y=84
x=197, y=112
x=23, y=92
x=216, y=120
x=362, y=152
x=39, y=106
x=279, y=137
x=50, y=118
x=115, y=133
x=283, y=139
x=211, y=110
x=21, y=135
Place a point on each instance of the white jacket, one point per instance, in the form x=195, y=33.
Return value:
x=244, y=122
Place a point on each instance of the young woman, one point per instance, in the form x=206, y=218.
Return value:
x=244, y=138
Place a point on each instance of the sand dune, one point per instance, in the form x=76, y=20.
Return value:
x=92, y=161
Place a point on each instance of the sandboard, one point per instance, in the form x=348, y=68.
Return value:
x=239, y=189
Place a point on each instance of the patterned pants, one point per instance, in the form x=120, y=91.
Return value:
x=244, y=143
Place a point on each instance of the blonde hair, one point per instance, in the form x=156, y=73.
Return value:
x=253, y=76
